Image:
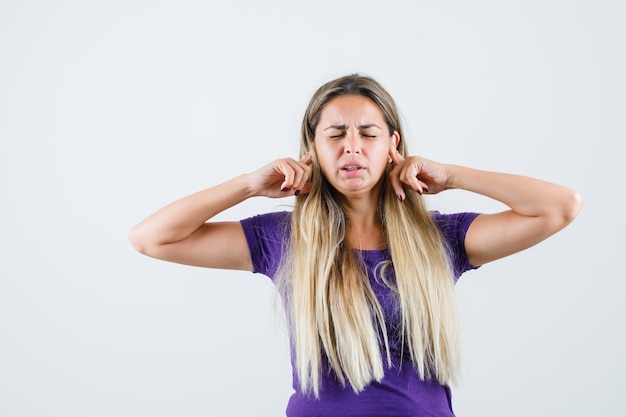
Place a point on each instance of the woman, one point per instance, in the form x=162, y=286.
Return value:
x=365, y=271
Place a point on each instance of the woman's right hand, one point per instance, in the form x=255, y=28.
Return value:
x=281, y=178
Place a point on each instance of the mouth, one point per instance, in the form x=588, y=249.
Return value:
x=351, y=165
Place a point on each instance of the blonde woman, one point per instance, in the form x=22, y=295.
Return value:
x=365, y=271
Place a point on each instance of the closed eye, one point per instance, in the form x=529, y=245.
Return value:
x=337, y=136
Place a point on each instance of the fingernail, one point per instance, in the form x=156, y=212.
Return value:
x=296, y=193
x=425, y=189
x=419, y=192
x=401, y=198
x=284, y=190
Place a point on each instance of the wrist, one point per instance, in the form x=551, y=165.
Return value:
x=244, y=184
x=453, y=176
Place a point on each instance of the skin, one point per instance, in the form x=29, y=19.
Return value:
x=352, y=132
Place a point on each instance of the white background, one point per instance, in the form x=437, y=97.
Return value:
x=109, y=110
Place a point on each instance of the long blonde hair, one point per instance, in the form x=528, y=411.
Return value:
x=332, y=309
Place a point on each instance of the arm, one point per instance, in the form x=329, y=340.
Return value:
x=538, y=209
x=181, y=232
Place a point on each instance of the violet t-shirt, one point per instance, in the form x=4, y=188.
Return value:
x=401, y=392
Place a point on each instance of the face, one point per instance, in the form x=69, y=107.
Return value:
x=352, y=143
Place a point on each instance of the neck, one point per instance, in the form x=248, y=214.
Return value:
x=364, y=230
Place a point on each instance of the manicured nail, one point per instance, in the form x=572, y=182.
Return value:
x=296, y=193
x=284, y=190
x=401, y=198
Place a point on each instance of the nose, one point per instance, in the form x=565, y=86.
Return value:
x=352, y=143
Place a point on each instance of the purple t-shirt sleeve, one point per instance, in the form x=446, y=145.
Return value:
x=267, y=236
x=453, y=228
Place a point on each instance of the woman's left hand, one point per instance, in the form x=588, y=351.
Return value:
x=418, y=174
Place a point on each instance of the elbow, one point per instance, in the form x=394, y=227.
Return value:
x=575, y=205
x=136, y=240
x=571, y=205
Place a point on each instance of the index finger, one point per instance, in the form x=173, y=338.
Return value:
x=307, y=158
x=396, y=157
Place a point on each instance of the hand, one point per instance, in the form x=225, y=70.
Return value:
x=282, y=178
x=418, y=174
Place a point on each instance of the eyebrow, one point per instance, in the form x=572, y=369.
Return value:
x=343, y=127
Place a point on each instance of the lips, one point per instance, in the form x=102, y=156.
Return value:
x=351, y=166
x=351, y=169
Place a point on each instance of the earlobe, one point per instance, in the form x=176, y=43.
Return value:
x=391, y=155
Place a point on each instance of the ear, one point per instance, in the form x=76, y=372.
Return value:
x=395, y=139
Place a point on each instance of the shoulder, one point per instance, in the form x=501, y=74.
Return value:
x=452, y=224
x=267, y=236
x=279, y=220
x=453, y=229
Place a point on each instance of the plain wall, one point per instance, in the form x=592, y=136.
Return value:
x=110, y=110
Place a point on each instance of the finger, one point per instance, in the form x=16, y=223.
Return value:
x=288, y=178
x=396, y=157
x=286, y=168
x=296, y=175
x=307, y=158
x=306, y=188
x=396, y=184
x=304, y=180
x=408, y=175
x=423, y=186
x=302, y=177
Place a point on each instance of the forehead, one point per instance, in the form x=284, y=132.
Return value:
x=351, y=109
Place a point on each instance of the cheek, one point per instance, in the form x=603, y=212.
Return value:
x=319, y=158
x=324, y=165
x=382, y=152
x=325, y=154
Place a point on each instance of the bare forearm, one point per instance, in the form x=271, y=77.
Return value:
x=526, y=196
x=180, y=219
